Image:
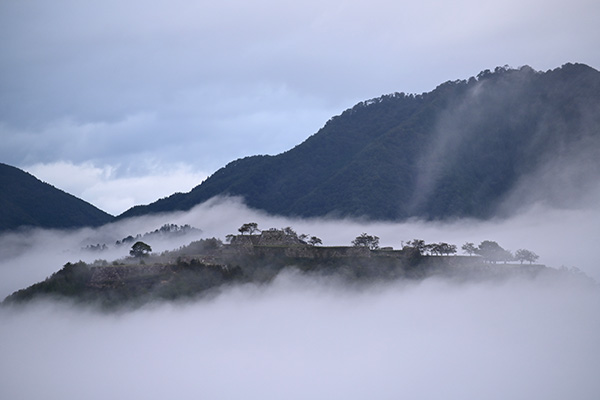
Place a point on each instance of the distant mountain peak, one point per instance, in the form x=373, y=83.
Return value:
x=28, y=202
x=465, y=149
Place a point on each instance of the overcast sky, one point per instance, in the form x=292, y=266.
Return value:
x=123, y=102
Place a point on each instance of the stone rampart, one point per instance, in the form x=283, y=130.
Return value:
x=102, y=276
x=312, y=252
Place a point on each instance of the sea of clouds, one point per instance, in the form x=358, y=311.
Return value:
x=302, y=337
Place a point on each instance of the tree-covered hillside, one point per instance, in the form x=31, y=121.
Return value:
x=462, y=150
x=27, y=201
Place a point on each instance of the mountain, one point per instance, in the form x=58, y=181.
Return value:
x=469, y=148
x=27, y=201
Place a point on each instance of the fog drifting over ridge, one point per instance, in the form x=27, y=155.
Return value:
x=119, y=93
x=562, y=237
x=300, y=337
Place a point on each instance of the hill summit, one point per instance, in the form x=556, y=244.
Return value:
x=27, y=201
x=469, y=148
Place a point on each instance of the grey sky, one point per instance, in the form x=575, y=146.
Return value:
x=125, y=102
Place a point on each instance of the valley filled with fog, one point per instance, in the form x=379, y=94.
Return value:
x=302, y=337
x=381, y=109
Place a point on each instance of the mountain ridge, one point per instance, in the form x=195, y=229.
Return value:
x=457, y=151
x=26, y=201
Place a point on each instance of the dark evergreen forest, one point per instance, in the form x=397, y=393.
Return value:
x=460, y=150
x=469, y=148
x=27, y=201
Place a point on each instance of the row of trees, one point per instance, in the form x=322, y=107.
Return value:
x=440, y=249
x=493, y=252
x=252, y=228
x=372, y=242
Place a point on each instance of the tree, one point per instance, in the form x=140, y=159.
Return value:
x=526, y=255
x=493, y=252
x=290, y=232
x=140, y=249
x=418, y=245
x=469, y=248
x=364, y=240
x=249, y=228
x=437, y=248
x=446, y=249
x=313, y=241
x=432, y=248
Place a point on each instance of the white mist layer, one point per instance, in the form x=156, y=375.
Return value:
x=299, y=339
x=560, y=237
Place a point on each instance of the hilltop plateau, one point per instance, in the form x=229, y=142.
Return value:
x=206, y=267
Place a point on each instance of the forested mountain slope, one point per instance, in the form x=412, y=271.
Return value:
x=27, y=201
x=469, y=148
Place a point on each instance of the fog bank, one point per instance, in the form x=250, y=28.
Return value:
x=302, y=339
x=561, y=237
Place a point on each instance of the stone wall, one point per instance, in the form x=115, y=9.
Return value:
x=312, y=252
x=273, y=237
x=110, y=275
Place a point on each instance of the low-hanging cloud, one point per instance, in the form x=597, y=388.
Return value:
x=303, y=339
x=561, y=237
x=308, y=337
x=116, y=191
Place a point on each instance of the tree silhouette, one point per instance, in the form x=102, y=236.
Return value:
x=140, y=249
x=249, y=228
x=364, y=240
x=493, y=252
x=417, y=244
x=526, y=255
x=469, y=248
x=446, y=249
x=313, y=241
